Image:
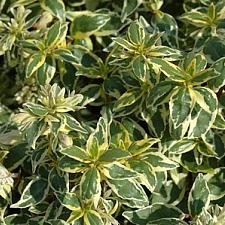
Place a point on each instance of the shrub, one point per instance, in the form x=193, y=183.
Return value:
x=112, y=112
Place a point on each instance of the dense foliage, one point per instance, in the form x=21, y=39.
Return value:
x=112, y=112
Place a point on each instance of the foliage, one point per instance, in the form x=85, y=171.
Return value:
x=112, y=112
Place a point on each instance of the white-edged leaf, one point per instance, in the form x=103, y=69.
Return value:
x=199, y=196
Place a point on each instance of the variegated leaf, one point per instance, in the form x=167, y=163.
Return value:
x=70, y=165
x=199, y=196
x=195, y=18
x=116, y=170
x=136, y=33
x=158, y=161
x=149, y=214
x=171, y=70
x=69, y=200
x=147, y=175
x=57, y=8
x=181, y=105
x=92, y=217
x=141, y=146
x=97, y=142
x=76, y=153
x=34, y=193
x=90, y=187
x=35, y=62
x=87, y=24
x=129, y=189
x=182, y=146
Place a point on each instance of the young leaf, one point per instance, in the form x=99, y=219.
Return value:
x=36, y=109
x=136, y=33
x=93, y=218
x=53, y=34
x=35, y=62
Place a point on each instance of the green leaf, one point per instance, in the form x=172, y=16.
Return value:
x=169, y=54
x=204, y=112
x=16, y=156
x=218, y=82
x=129, y=6
x=167, y=24
x=92, y=218
x=158, y=161
x=155, y=5
x=69, y=200
x=57, y=8
x=160, y=93
x=75, y=215
x=90, y=187
x=153, y=39
x=181, y=106
x=166, y=221
x=124, y=43
x=129, y=189
x=117, y=171
x=73, y=124
x=35, y=62
x=97, y=142
x=76, y=153
x=58, y=181
x=172, y=71
x=204, y=76
x=91, y=92
x=34, y=131
x=139, y=66
x=113, y=155
x=199, y=196
x=182, y=146
x=38, y=156
x=214, y=49
x=128, y=98
x=65, y=55
x=119, y=136
x=16, y=219
x=141, y=146
x=112, y=27
x=53, y=34
x=147, y=176
x=85, y=25
x=194, y=63
x=219, y=122
x=70, y=165
x=136, y=33
x=152, y=213
x=36, y=109
x=34, y=193
x=47, y=71
x=195, y=18
x=216, y=183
